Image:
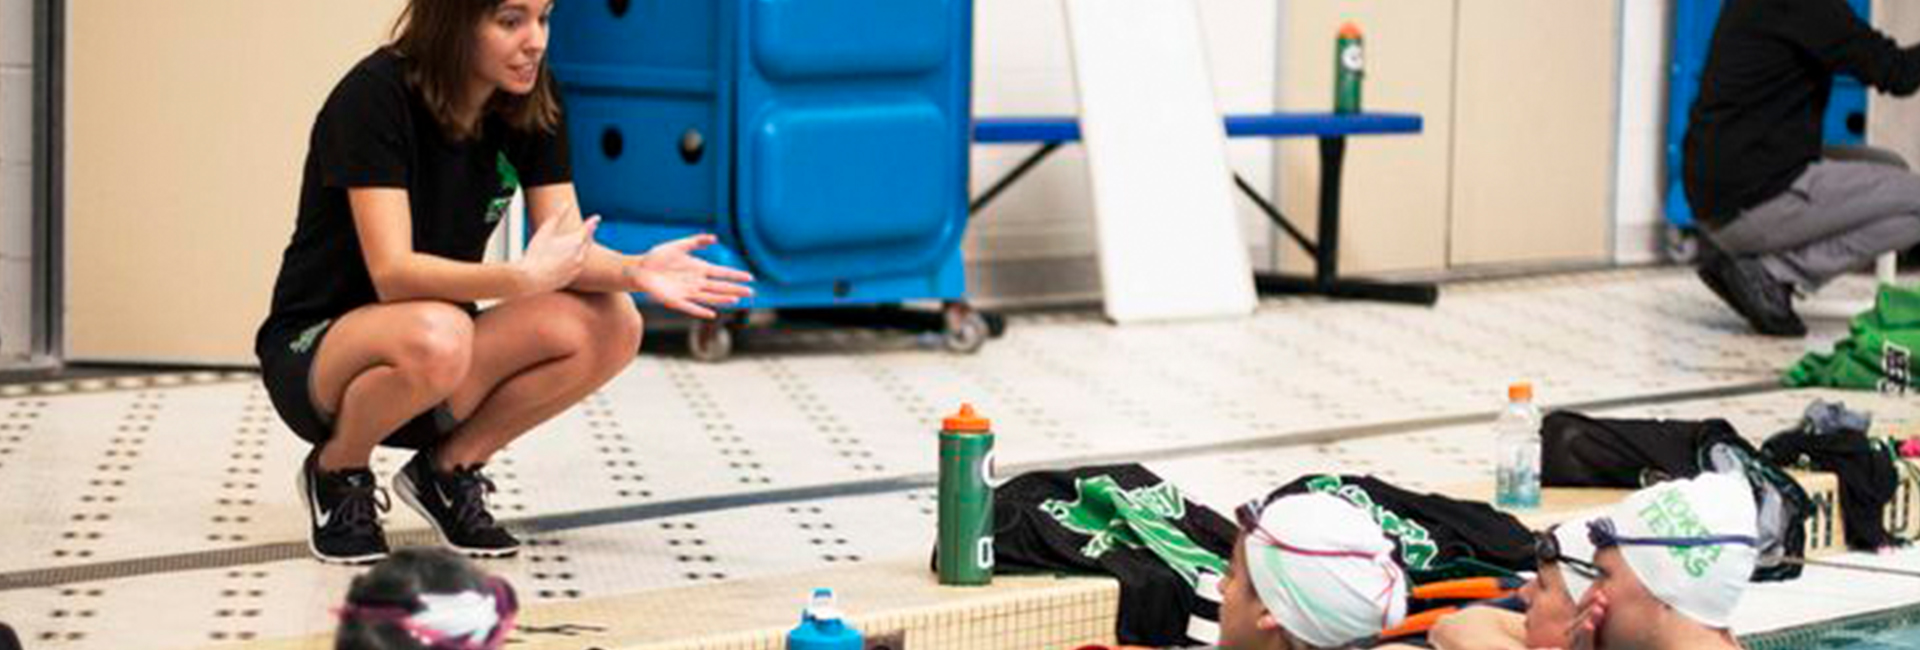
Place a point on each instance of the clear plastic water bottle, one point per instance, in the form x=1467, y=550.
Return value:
x=1517, y=445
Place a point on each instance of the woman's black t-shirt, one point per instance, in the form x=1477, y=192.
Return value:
x=375, y=130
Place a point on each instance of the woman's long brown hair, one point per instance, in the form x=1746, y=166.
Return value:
x=437, y=37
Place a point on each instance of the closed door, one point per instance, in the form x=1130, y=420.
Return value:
x=1394, y=206
x=187, y=124
x=1534, y=120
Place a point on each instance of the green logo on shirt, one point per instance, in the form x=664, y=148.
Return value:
x=304, y=342
x=509, y=183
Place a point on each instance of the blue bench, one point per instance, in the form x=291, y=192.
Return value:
x=1331, y=129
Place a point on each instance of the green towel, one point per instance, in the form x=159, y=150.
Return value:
x=1877, y=355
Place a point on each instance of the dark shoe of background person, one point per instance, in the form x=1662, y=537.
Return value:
x=1744, y=284
x=1706, y=252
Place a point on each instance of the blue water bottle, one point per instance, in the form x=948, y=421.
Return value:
x=821, y=627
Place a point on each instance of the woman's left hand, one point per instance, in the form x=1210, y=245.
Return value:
x=673, y=277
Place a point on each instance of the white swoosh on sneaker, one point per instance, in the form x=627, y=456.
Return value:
x=440, y=492
x=321, y=517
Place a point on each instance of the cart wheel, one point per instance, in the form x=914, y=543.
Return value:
x=710, y=341
x=1680, y=245
x=966, y=330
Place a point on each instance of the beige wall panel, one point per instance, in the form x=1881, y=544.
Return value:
x=1894, y=122
x=1534, y=131
x=1394, y=210
x=187, y=127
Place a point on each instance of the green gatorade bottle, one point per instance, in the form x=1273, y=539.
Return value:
x=966, y=499
x=1349, y=68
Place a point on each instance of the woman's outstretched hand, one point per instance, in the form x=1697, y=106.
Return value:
x=673, y=277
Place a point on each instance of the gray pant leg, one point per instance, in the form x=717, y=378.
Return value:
x=1837, y=217
x=1863, y=153
x=1813, y=265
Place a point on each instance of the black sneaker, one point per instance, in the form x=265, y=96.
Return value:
x=1744, y=284
x=345, y=507
x=456, y=504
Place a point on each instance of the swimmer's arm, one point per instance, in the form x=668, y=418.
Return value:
x=383, y=218
x=1480, y=628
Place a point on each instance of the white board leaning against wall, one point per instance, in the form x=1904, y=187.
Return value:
x=1170, y=244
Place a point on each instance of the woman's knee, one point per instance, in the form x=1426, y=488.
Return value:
x=617, y=328
x=434, y=346
x=621, y=321
x=562, y=332
x=600, y=326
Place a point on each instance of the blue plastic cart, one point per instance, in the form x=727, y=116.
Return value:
x=824, y=141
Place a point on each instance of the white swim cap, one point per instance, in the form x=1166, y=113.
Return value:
x=1703, y=581
x=1325, y=570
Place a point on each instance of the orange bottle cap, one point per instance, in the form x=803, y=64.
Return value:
x=1349, y=30
x=1520, y=392
x=967, y=420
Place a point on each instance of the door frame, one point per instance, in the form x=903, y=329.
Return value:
x=46, y=340
x=49, y=180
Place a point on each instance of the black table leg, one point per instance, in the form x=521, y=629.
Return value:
x=1333, y=161
x=1326, y=280
x=1006, y=181
x=1412, y=293
x=1273, y=214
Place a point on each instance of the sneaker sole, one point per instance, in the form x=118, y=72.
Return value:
x=403, y=485
x=306, y=496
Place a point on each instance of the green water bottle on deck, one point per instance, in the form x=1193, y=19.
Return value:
x=965, y=553
x=1349, y=69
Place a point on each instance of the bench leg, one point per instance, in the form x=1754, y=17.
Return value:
x=1326, y=280
x=1410, y=293
x=1007, y=181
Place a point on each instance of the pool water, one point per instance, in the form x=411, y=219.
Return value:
x=1896, y=629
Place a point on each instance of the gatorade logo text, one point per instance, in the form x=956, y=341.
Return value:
x=1111, y=515
x=1417, y=548
x=1351, y=58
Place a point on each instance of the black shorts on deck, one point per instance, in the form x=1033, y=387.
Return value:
x=286, y=367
